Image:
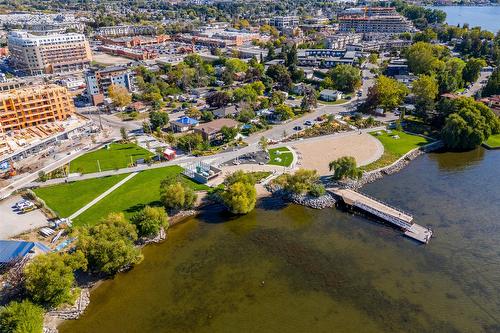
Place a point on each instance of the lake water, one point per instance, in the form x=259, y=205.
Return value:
x=294, y=269
x=486, y=17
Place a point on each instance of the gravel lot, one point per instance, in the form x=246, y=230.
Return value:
x=13, y=223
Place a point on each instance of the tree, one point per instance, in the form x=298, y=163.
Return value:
x=280, y=75
x=427, y=36
x=346, y=78
x=284, y=112
x=175, y=195
x=373, y=58
x=263, y=143
x=493, y=85
x=193, y=113
x=345, y=167
x=450, y=76
x=302, y=182
x=239, y=195
x=218, y=99
x=158, y=119
x=426, y=90
x=388, y=93
x=150, y=220
x=119, y=95
x=21, y=317
x=189, y=141
x=124, y=134
x=228, y=133
x=109, y=245
x=468, y=124
x=472, y=69
x=309, y=101
x=49, y=278
x=424, y=58
x=207, y=116
x=277, y=97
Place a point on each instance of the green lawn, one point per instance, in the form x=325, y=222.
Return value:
x=493, y=141
x=141, y=190
x=67, y=198
x=118, y=156
x=395, y=148
x=280, y=156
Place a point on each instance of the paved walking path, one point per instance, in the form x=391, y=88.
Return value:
x=103, y=195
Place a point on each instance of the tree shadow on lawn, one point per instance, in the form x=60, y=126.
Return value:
x=138, y=207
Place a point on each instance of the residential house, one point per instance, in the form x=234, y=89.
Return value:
x=183, y=124
x=329, y=95
x=493, y=102
x=211, y=131
x=225, y=111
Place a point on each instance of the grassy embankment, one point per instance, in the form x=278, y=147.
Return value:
x=493, y=141
x=139, y=191
x=67, y=198
x=395, y=148
x=118, y=156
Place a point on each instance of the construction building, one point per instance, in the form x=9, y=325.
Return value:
x=32, y=106
x=47, y=54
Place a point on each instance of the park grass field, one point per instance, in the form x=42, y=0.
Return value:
x=118, y=156
x=67, y=198
x=139, y=191
x=493, y=141
x=280, y=156
x=395, y=148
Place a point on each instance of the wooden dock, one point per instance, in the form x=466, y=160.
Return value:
x=385, y=212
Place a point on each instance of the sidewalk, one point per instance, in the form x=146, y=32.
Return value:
x=102, y=196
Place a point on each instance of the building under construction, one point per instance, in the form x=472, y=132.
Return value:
x=32, y=106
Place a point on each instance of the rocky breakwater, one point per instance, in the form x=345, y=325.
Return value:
x=321, y=202
x=371, y=176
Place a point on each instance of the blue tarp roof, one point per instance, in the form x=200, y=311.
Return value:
x=11, y=250
x=187, y=121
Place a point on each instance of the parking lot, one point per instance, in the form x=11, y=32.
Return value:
x=13, y=222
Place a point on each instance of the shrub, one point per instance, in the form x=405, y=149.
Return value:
x=21, y=317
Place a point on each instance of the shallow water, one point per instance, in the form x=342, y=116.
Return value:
x=293, y=269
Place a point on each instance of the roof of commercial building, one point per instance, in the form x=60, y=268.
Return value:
x=11, y=250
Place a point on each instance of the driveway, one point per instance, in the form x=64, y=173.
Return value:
x=13, y=223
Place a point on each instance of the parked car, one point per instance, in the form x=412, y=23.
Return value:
x=308, y=123
x=297, y=128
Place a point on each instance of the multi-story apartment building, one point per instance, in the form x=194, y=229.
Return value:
x=31, y=106
x=369, y=11
x=98, y=81
x=326, y=58
x=126, y=30
x=281, y=22
x=47, y=54
x=375, y=24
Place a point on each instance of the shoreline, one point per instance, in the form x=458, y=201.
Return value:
x=54, y=318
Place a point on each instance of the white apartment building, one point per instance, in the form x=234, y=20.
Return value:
x=387, y=24
x=47, y=54
x=281, y=22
